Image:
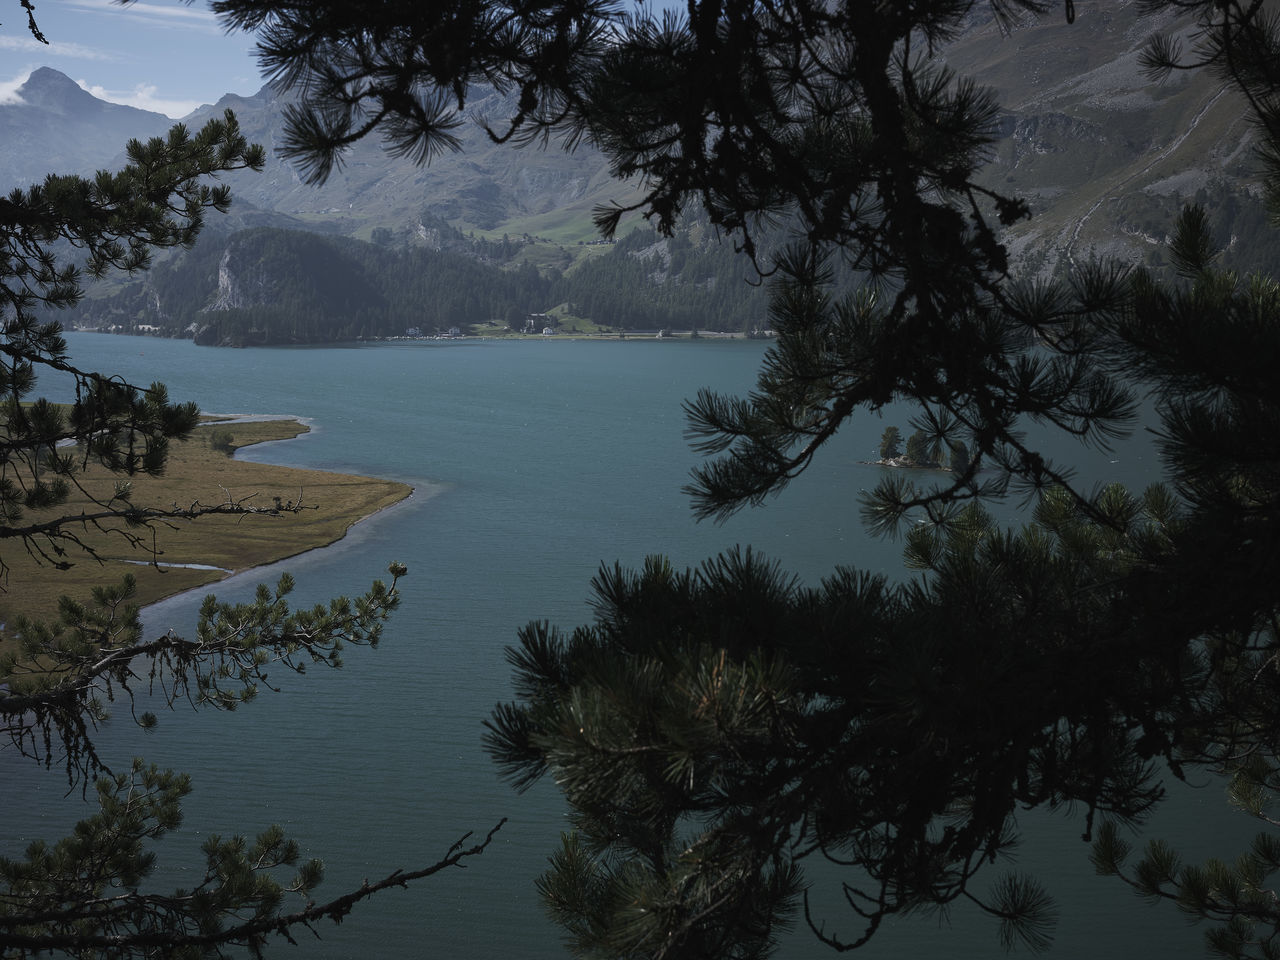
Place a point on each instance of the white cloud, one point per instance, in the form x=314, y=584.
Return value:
x=75, y=51
x=9, y=88
x=144, y=96
x=154, y=14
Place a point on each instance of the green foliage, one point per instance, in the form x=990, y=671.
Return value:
x=81, y=896
x=157, y=200
x=83, y=893
x=890, y=442
x=918, y=453
x=55, y=686
x=1173, y=591
x=222, y=441
x=1196, y=343
x=715, y=730
x=690, y=279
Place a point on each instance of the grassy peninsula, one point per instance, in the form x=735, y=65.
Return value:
x=203, y=469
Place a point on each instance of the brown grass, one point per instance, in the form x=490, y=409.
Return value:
x=331, y=503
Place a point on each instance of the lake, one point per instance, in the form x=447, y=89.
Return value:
x=533, y=463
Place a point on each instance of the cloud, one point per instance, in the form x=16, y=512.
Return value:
x=9, y=88
x=75, y=51
x=144, y=97
x=180, y=17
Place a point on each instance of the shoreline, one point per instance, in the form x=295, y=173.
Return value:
x=266, y=572
x=903, y=463
x=198, y=554
x=409, y=492
x=645, y=336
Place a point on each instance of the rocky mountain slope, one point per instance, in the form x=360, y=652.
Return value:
x=1105, y=156
x=59, y=128
x=484, y=187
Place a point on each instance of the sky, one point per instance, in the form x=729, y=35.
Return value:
x=160, y=55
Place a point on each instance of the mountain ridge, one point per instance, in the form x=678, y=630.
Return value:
x=1079, y=125
x=58, y=127
x=1104, y=156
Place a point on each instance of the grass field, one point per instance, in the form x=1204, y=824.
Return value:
x=197, y=472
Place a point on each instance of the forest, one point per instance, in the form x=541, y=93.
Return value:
x=274, y=286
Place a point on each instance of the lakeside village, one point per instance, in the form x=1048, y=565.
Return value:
x=535, y=325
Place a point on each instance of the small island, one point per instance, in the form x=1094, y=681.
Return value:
x=920, y=453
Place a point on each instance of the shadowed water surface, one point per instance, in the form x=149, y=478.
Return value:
x=535, y=462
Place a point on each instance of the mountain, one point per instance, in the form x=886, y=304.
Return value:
x=56, y=127
x=1105, y=156
x=484, y=187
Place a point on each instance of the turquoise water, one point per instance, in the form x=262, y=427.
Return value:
x=533, y=463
